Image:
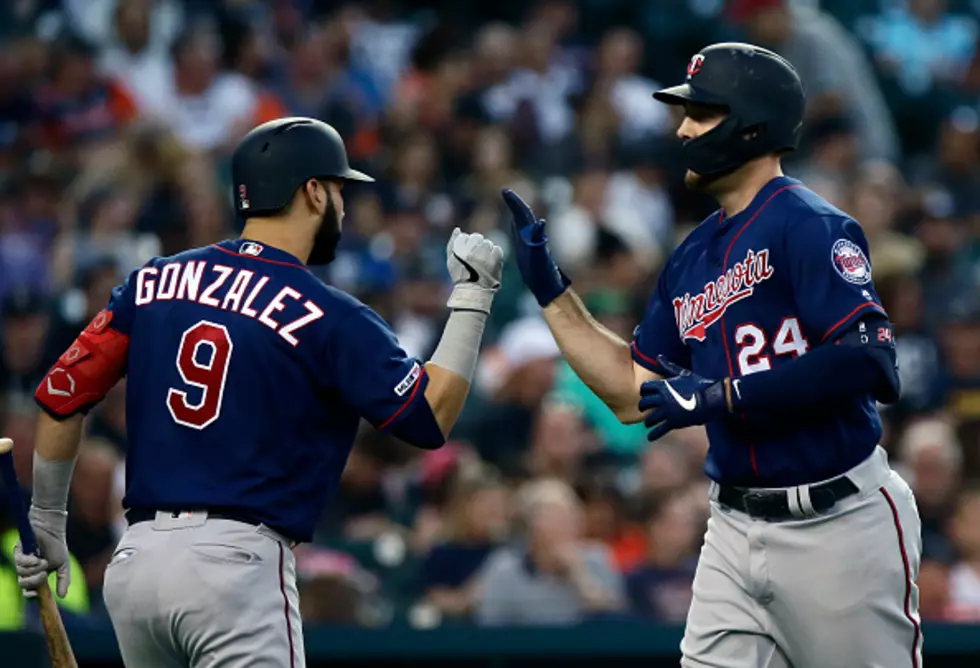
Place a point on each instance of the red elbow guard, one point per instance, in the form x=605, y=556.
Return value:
x=86, y=372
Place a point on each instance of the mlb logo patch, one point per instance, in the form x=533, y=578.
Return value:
x=850, y=262
x=408, y=382
x=250, y=248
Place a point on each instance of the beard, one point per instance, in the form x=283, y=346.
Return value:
x=327, y=237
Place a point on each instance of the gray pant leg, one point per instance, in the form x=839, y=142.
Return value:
x=222, y=595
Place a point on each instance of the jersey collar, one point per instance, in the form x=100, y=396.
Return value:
x=262, y=252
x=758, y=201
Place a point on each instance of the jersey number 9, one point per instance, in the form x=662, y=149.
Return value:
x=206, y=370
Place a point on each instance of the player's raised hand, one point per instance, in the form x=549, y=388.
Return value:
x=475, y=264
x=32, y=570
x=683, y=400
x=538, y=269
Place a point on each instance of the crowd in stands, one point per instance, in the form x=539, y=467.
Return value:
x=117, y=118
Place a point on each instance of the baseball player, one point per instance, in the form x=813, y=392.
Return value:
x=765, y=327
x=246, y=381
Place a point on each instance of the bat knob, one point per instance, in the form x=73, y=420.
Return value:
x=6, y=445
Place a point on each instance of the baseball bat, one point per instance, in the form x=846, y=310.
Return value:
x=54, y=630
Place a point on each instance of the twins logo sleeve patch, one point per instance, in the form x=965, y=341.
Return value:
x=850, y=262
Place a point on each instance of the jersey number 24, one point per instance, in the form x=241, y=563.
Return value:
x=206, y=372
x=752, y=355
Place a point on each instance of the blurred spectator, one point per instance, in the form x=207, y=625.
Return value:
x=835, y=72
x=923, y=45
x=833, y=148
x=478, y=521
x=206, y=108
x=964, y=578
x=136, y=44
x=932, y=456
x=25, y=323
x=660, y=587
x=608, y=520
x=921, y=366
x=664, y=471
x=79, y=109
x=554, y=578
x=334, y=588
x=618, y=60
x=875, y=199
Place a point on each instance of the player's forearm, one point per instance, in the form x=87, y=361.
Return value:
x=446, y=394
x=55, y=450
x=600, y=358
x=452, y=366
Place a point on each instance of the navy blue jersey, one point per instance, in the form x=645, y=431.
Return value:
x=246, y=381
x=746, y=293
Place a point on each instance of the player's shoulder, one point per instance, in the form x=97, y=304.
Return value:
x=799, y=204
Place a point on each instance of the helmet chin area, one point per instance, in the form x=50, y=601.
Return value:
x=718, y=151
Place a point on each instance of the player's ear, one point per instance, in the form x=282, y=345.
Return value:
x=316, y=196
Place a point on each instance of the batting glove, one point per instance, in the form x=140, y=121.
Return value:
x=684, y=400
x=475, y=265
x=538, y=269
x=32, y=569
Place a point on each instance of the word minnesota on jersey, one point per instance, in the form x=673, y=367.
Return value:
x=198, y=281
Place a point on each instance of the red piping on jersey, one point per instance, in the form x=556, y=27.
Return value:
x=849, y=316
x=642, y=356
x=724, y=267
x=285, y=598
x=260, y=259
x=415, y=388
x=908, y=578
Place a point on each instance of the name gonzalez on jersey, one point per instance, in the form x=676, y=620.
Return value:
x=695, y=314
x=196, y=282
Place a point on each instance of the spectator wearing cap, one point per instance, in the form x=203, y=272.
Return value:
x=834, y=70
x=554, y=578
x=477, y=522
x=943, y=231
x=659, y=589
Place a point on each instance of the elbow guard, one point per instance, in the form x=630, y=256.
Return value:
x=86, y=372
x=875, y=337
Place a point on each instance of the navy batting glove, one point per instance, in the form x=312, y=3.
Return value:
x=684, y=400
x=538, y=270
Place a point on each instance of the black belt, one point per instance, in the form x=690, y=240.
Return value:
x=137, y=515
x=773, y=505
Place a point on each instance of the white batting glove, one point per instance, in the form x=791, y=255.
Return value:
x=32, y=570
x=475, y=264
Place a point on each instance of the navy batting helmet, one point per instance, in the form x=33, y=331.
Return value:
x=276, y=158
x=762, y=95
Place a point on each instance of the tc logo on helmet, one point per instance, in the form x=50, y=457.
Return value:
x=694, y=66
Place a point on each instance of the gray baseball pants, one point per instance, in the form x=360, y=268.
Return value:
x=829, y=591
x=187, y=591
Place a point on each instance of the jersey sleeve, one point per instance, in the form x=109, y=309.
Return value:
x=657, y=333
x=372, y=372
x=831, y=275
x=94, y=362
